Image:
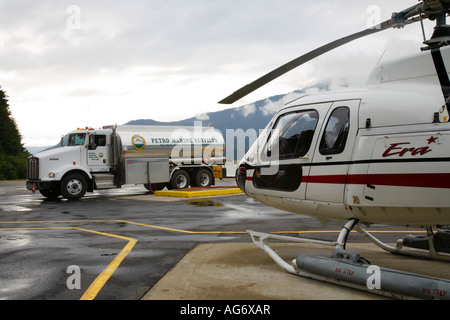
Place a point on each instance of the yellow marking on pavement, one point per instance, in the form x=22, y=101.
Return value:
x=192, y=193
x=199, y=232
x=101, y=280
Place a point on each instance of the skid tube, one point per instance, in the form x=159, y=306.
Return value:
x=431, y=253
x=360, y=274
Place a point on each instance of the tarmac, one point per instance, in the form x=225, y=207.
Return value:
x=242, y=271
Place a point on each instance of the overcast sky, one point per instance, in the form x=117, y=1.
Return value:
x=77, y=63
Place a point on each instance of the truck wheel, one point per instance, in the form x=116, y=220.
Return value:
x=203, y=178
x=180, y=179
x=154, y=186
x=73, y=186
x=51, y=194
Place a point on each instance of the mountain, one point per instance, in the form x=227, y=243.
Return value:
x=255, y=115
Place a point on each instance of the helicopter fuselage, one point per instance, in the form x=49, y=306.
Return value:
x=380, y=154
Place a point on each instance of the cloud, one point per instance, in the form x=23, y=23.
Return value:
x=174, y=58
x=271, y=107
x=202, y=116
x=248, y=109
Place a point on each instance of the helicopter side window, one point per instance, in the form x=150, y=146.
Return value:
x=336, y=132
x=293, y=133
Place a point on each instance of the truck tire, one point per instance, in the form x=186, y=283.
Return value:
x=154, y=186
x=180, y=179
x=203, y=178
x=73, y=186
x=51, y=194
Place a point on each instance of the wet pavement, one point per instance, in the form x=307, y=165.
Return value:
x=118, y=244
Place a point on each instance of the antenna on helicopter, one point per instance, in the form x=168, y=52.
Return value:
x=426, y=9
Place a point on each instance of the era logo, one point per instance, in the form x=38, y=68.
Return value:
x=401, y=148
x=395, y=149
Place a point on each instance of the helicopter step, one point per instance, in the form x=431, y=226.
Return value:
x=348, y=269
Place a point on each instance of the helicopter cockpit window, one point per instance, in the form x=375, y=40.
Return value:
x=290, y=138
x=336, y=132
x=292, y=135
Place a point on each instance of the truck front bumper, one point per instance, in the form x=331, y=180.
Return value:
x=34, y=185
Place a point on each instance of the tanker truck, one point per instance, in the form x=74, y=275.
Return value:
x=155, y=156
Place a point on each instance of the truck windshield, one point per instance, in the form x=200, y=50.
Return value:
x=76, y=139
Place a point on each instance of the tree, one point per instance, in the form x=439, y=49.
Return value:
x=13, y=156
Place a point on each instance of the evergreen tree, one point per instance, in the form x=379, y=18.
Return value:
x=13, y=156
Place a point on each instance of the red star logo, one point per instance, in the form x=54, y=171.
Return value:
x=431, y=140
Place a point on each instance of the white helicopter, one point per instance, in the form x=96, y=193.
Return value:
x=375, y=155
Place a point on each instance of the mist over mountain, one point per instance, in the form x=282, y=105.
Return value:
x=255, y=115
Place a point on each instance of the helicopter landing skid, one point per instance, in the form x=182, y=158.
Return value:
x=429, y=252
x=347, y=268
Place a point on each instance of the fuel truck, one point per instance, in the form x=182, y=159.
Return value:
x=154, y=156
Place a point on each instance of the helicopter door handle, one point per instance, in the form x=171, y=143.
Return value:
x=329, y=158
x=305, y=157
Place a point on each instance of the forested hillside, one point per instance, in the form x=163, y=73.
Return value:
x=13, y=156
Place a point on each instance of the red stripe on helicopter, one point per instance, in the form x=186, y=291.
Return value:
x=419, y=180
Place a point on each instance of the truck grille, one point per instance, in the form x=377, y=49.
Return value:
x=33, y=168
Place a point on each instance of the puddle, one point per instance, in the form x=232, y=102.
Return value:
x=14, y=208
x=204, y=203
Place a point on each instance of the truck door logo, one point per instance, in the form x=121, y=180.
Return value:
x=138, y=142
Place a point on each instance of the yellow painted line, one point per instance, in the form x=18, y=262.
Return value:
x=199, y=193
x=179, y=230
x=156, y=227
x=198, y=232
x=101, y=279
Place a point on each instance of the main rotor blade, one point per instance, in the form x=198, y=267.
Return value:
x=398, y=20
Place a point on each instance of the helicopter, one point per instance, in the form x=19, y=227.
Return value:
x=379, y=154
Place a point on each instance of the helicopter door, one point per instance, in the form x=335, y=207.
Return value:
x=287, y=148
x=332, y=155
